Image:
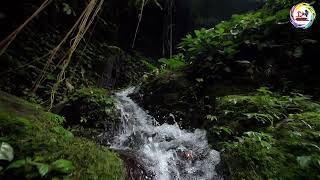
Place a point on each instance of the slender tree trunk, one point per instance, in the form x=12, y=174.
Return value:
x=138, y=25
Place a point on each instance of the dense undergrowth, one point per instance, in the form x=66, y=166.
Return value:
x=209, y=84
x=42, y=148
x=265, y=135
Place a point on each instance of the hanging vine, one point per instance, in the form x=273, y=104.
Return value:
x=89, y=16
x=80, y=28
x=4, y=44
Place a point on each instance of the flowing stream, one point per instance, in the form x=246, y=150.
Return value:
x=169, y=152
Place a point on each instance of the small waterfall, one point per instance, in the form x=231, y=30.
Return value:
x=168, y=151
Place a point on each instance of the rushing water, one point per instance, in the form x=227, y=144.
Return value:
x=168, y=151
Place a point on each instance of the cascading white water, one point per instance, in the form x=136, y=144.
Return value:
x=169, y=152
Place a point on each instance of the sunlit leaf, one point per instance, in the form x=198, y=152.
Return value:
x=243, y=62
x=17, y=164
x=212, y=118
x=6, y=152
x=199, y=80
x=43, y=169
x=63, y=166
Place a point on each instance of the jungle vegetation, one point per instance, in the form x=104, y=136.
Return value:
x=251, y=80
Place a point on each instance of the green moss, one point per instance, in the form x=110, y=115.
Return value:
x=38, y=136
x=92, y=95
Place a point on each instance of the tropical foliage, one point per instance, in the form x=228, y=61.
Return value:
x=267, y=135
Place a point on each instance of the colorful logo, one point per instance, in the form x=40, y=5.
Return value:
x=302, y=15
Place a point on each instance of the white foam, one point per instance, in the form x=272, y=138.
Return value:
x=159, y=146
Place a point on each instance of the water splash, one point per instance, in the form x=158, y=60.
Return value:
x=169, y=152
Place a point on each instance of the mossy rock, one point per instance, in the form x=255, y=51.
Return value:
x=39, y=138
x=172, y=98
x=90, y=107
x=91, y=113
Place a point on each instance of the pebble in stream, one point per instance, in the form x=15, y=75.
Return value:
x=167, y=151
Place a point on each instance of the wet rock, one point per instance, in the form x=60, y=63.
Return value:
x=91, y=112
x=167, y=150
x=169, y=99
x=134, y=168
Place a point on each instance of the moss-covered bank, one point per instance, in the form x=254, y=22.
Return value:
x=48, y=150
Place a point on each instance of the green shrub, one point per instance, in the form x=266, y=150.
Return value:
x=226, y=35
x=93, y=104
x=214, y=52
x=174, y=63
x=254, y=156
x=263, y=106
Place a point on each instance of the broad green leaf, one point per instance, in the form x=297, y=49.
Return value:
x=17, y=164
x=220, y=30
x=43, y=169
x=226, y=130
x=63, y=166
x=304, y=161
x=6, y=152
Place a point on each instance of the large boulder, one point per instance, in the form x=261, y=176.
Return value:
x=172, y=98
x=92, y=113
